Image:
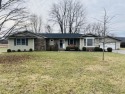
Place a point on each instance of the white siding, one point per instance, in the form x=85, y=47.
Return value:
x=66, y=43
x=81, y=43
x=114, y=46
x=117, y=45
x=64, y=47
x=21, y=47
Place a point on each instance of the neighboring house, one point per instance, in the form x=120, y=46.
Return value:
x=122, y=41
x=3, y=43
x=49, y=41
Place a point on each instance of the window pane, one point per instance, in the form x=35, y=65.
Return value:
x=84, y=42
x=18, y=42
x=71, y=41
x=89, y=42
x=23, y=41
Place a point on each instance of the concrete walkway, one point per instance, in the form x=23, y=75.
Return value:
x=119, y=51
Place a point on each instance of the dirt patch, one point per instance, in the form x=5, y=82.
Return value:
x=10, y=59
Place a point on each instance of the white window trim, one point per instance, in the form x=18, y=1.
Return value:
x=20, y=41
x=70, y=41
x=93, y=40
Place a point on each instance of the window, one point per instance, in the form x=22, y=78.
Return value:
x=89, y=42
x=72, y=41
x=84, y=42
x=22, y=41
x=18, y=42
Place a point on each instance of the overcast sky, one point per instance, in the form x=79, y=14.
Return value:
x=94, y=9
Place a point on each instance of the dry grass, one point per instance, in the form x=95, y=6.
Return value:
x=10, y=59
x=62, y=73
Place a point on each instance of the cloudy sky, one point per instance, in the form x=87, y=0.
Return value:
x=94, y=8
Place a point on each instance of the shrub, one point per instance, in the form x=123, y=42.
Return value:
x=30, y=50
x=18, y=50
x=8, y=50
x=84, y=49
x=109, y=49
x=100, y=49
x=96, y=49
x=90, y=49
x=69, y=48
x=76, y=48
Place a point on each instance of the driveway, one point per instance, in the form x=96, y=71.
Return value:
x=119, y=51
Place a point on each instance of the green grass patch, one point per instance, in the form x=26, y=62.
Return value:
x=62, y=73
x=122, y=48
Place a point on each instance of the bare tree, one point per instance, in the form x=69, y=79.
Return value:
x=105, y=22
x=11, y=12
x=94, y=28
x=69, y=15
x=35, y=23
x=48, y=29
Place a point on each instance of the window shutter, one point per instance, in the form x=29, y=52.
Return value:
x=15, y=42
x=27, y=41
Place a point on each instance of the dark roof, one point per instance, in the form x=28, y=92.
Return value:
x=3, y=41
x=89, y=35
x=29, y=34
x=114, y=38
x=23, y=34
x=121, y=38
x=59, y=35
x=111, y=38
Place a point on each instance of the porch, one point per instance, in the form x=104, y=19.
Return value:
x=61, y=44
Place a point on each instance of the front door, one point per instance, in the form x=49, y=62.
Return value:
x=61, y=44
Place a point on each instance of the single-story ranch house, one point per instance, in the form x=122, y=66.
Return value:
x=48, y=41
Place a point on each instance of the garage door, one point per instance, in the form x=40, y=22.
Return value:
x=112, y=45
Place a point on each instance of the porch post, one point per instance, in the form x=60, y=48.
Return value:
x=64, y=47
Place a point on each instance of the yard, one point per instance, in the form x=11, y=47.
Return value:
x=62, y=73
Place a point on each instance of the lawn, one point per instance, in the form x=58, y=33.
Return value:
x=122, y=48
x=3, y=50
x=62, y=73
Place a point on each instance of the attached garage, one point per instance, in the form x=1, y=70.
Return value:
x=111, y=42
